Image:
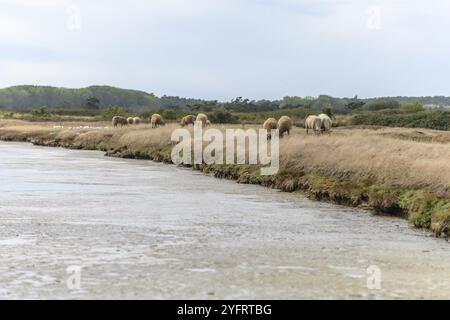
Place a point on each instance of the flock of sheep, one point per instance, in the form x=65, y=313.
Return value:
x=319, y=124
x=283, y=125
x=156, y=120
x=190, y=119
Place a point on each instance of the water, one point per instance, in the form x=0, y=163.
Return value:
x=138, y=229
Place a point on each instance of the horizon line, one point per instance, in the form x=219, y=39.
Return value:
x=223, y=101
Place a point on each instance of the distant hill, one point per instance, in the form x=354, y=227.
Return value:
x=28, y=97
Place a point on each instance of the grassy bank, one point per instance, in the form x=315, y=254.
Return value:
x=397, y=171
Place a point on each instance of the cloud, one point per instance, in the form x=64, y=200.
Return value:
x=226, y=48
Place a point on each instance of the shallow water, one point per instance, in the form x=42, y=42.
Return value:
x=139, y=229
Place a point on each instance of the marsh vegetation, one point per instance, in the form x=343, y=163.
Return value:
x=396, y=171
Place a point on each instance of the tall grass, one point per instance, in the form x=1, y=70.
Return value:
x=393, y=156
x=380, y=155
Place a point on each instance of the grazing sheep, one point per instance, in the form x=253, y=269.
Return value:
x=136, y=120
x=326, y=123
x=313, y=123
x=208, y=123
x=187, y=120
x=270, y=124
x=130, y=120
x=116, y=120
x=284, y=125
x=202, y=118
x=156, y=121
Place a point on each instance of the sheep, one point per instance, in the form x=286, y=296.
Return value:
x=136, y=120
x=116, y=120
x=202, y=118
x=326, y=123
x=314, y=123
x=270, y=124
x=208, y=123
x=130, y=120
x=187, y=120
x=284, y=125
x=156, y=120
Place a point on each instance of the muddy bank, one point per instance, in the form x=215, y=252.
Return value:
x=247, y=174
x=422, y=208
x=143, y=230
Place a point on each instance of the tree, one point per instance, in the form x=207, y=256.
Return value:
x=323, y=101
x=329, y=112
x=113, y=111
x=92, y=103
x=381, y=104
x=169, y=114
x=222, y=116
x=295, y=102
x=355, y=105
x=40, y=112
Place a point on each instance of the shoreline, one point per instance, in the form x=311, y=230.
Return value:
x=422, y=208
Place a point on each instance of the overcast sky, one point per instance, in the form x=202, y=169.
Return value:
x=220, y=49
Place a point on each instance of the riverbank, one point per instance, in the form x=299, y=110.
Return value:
x=401, y=172
x=147, y=230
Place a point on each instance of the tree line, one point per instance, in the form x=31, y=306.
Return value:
x=96, y=99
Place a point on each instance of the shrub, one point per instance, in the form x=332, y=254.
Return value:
x=113, y=111
x=438, y=120
x=412, y=107
x=40, y=112
x=381, y=104
x=222, y=116
x=8, y=115
x=169, y=114
x=328, y=112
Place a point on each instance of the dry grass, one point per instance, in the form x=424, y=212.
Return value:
x=388, y=169
x=364, y=154
x=397, y=157
x=143, y=136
